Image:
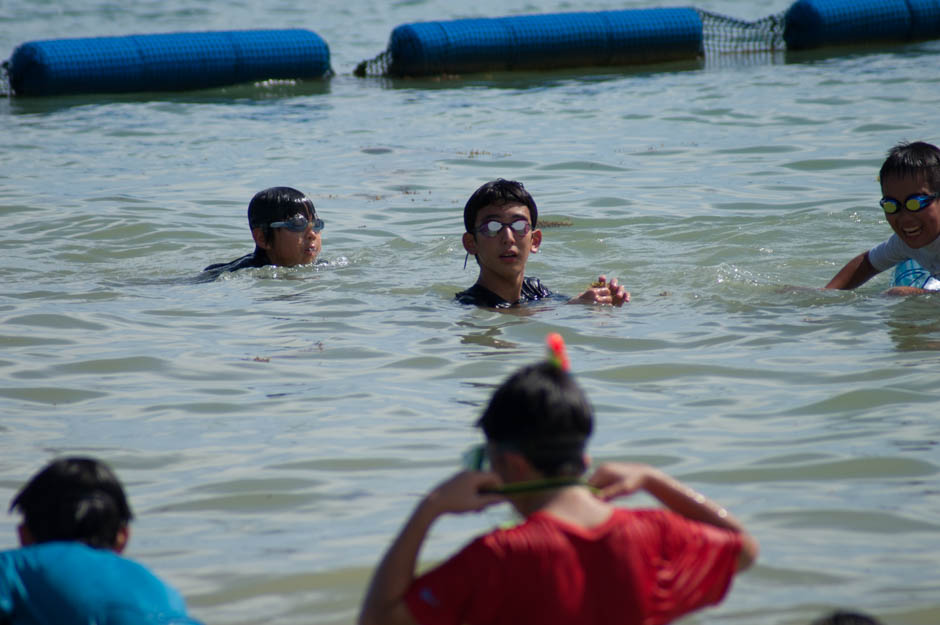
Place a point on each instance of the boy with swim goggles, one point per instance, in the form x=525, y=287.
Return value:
x=501, y=231
x=285, y=228
x=910, y=188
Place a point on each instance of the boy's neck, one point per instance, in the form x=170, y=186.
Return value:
x=509, y=290
x=575, y=505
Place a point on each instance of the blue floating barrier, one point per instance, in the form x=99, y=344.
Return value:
x=925, y=18
x=816, y=23
x=547, y=41
x=166, y=62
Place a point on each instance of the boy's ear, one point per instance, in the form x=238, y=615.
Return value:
x=26, y=536
x=258, y=235
x=536, y=241
x=120, y=540
x=469, y=243
x=517, y=467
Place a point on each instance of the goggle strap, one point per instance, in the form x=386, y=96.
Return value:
x=537, y=485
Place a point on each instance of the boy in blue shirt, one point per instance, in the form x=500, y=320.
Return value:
x=910, y=186
x=68, y=570
x=500, y=219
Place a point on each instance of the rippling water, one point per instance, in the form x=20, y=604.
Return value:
x=275, y=427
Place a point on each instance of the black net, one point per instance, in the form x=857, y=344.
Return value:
x=729, y=35
x=374, y=67
x=5, y=88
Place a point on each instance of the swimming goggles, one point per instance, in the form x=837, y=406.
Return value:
x=299, y=224
x=492, y=227
x=913, y=202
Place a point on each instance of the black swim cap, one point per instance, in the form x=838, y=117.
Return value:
x=277, y=204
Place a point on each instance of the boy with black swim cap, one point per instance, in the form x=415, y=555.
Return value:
x=285, y=228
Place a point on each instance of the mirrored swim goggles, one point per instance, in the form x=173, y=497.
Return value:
x=913, y=202
x=491, y=228
x=299, y=223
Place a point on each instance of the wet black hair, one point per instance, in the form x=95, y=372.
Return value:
x=75, y=499
x=498, y=191
x=840, y=617
x=542, y=413
x=277, y=204
x=913, y=160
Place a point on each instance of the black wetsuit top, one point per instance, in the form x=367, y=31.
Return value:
x=532, y=291
x=258, y=258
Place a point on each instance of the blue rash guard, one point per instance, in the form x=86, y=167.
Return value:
x=70, y=583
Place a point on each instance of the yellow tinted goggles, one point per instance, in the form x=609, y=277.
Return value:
x=913, y=203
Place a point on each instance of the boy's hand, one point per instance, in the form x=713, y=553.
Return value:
x=461, y=493
x=616, y=479
x=906, y=290
x=603, y=292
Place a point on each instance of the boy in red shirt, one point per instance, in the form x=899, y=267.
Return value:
x=575, y=558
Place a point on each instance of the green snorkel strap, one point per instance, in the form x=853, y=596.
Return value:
x=532, y=486
x=474, y=458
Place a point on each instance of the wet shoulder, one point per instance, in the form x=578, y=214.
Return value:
x=251, y=260
x=480, y=296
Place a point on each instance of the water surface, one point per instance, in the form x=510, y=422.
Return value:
x=275, y=427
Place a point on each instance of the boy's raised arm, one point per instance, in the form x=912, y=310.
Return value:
x=856, y=272
x=384, y=603
x=615, y=479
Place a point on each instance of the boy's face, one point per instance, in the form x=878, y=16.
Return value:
x=917, y=228
x=502, y=256
x=287, y=248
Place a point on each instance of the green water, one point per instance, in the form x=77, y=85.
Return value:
x=275, y=427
